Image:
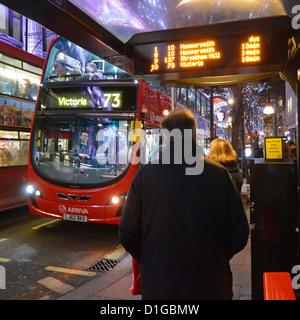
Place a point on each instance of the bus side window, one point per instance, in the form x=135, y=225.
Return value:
x=6, y=156
x=153, y=144
x=21, y=157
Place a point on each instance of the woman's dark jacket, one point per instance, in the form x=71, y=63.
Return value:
x=183, y=229
x=235, y=172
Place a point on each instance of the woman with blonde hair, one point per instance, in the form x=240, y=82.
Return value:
x=220, y=150
x=287, y=154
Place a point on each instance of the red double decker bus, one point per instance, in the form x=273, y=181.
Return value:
x=83, y=153
x=20, y=75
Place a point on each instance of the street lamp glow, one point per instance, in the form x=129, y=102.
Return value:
x=268, y=110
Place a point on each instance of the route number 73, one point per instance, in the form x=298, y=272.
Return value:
x=114, y=99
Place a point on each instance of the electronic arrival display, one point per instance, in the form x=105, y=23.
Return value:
x=94, y=97
x=219, y=52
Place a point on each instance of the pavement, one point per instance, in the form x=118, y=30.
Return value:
x=115, y=283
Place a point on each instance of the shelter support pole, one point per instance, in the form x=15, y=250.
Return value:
x=243, y=139
x=298, y=146
x=292, y=75
x=173, y=98
x=211, y=108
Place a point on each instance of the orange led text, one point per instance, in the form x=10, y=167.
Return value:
x=251, y=50
x=155, y=65
x=194, y=54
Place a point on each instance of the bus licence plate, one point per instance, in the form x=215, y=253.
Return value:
x=73, y=217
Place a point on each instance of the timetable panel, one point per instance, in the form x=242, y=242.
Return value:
x=205, y=53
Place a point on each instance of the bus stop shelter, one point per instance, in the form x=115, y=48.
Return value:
x=184, y=43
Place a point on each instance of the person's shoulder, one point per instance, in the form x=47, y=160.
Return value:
x=214, y=169
x=144, y=168
x=142, y=173
x=213, y=164
x=147, y=168
x=231, y=165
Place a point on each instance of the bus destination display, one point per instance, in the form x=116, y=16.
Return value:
x=113, y=99
x=229, y=51
x=96, y=97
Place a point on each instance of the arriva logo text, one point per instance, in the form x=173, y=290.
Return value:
x=63, y=209
x=78, y=210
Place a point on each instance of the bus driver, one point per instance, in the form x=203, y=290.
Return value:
x=81, y=147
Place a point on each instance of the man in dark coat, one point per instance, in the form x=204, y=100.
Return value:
x=293, y=148
x=81, y=147
x=183, y=228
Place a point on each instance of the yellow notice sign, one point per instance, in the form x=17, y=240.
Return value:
x=273, y=148
x=135, y=131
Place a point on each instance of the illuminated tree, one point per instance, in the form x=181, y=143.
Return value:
x=255, y=98
x=249, y=101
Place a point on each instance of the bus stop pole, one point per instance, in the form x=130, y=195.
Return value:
x=298, y=148
x=211, y=114
x=243, y=139
x=173, y=98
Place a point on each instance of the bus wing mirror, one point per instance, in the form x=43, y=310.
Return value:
x=143, y=116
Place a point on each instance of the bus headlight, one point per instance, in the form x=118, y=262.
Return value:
x=117, y=199
x=32, y=191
